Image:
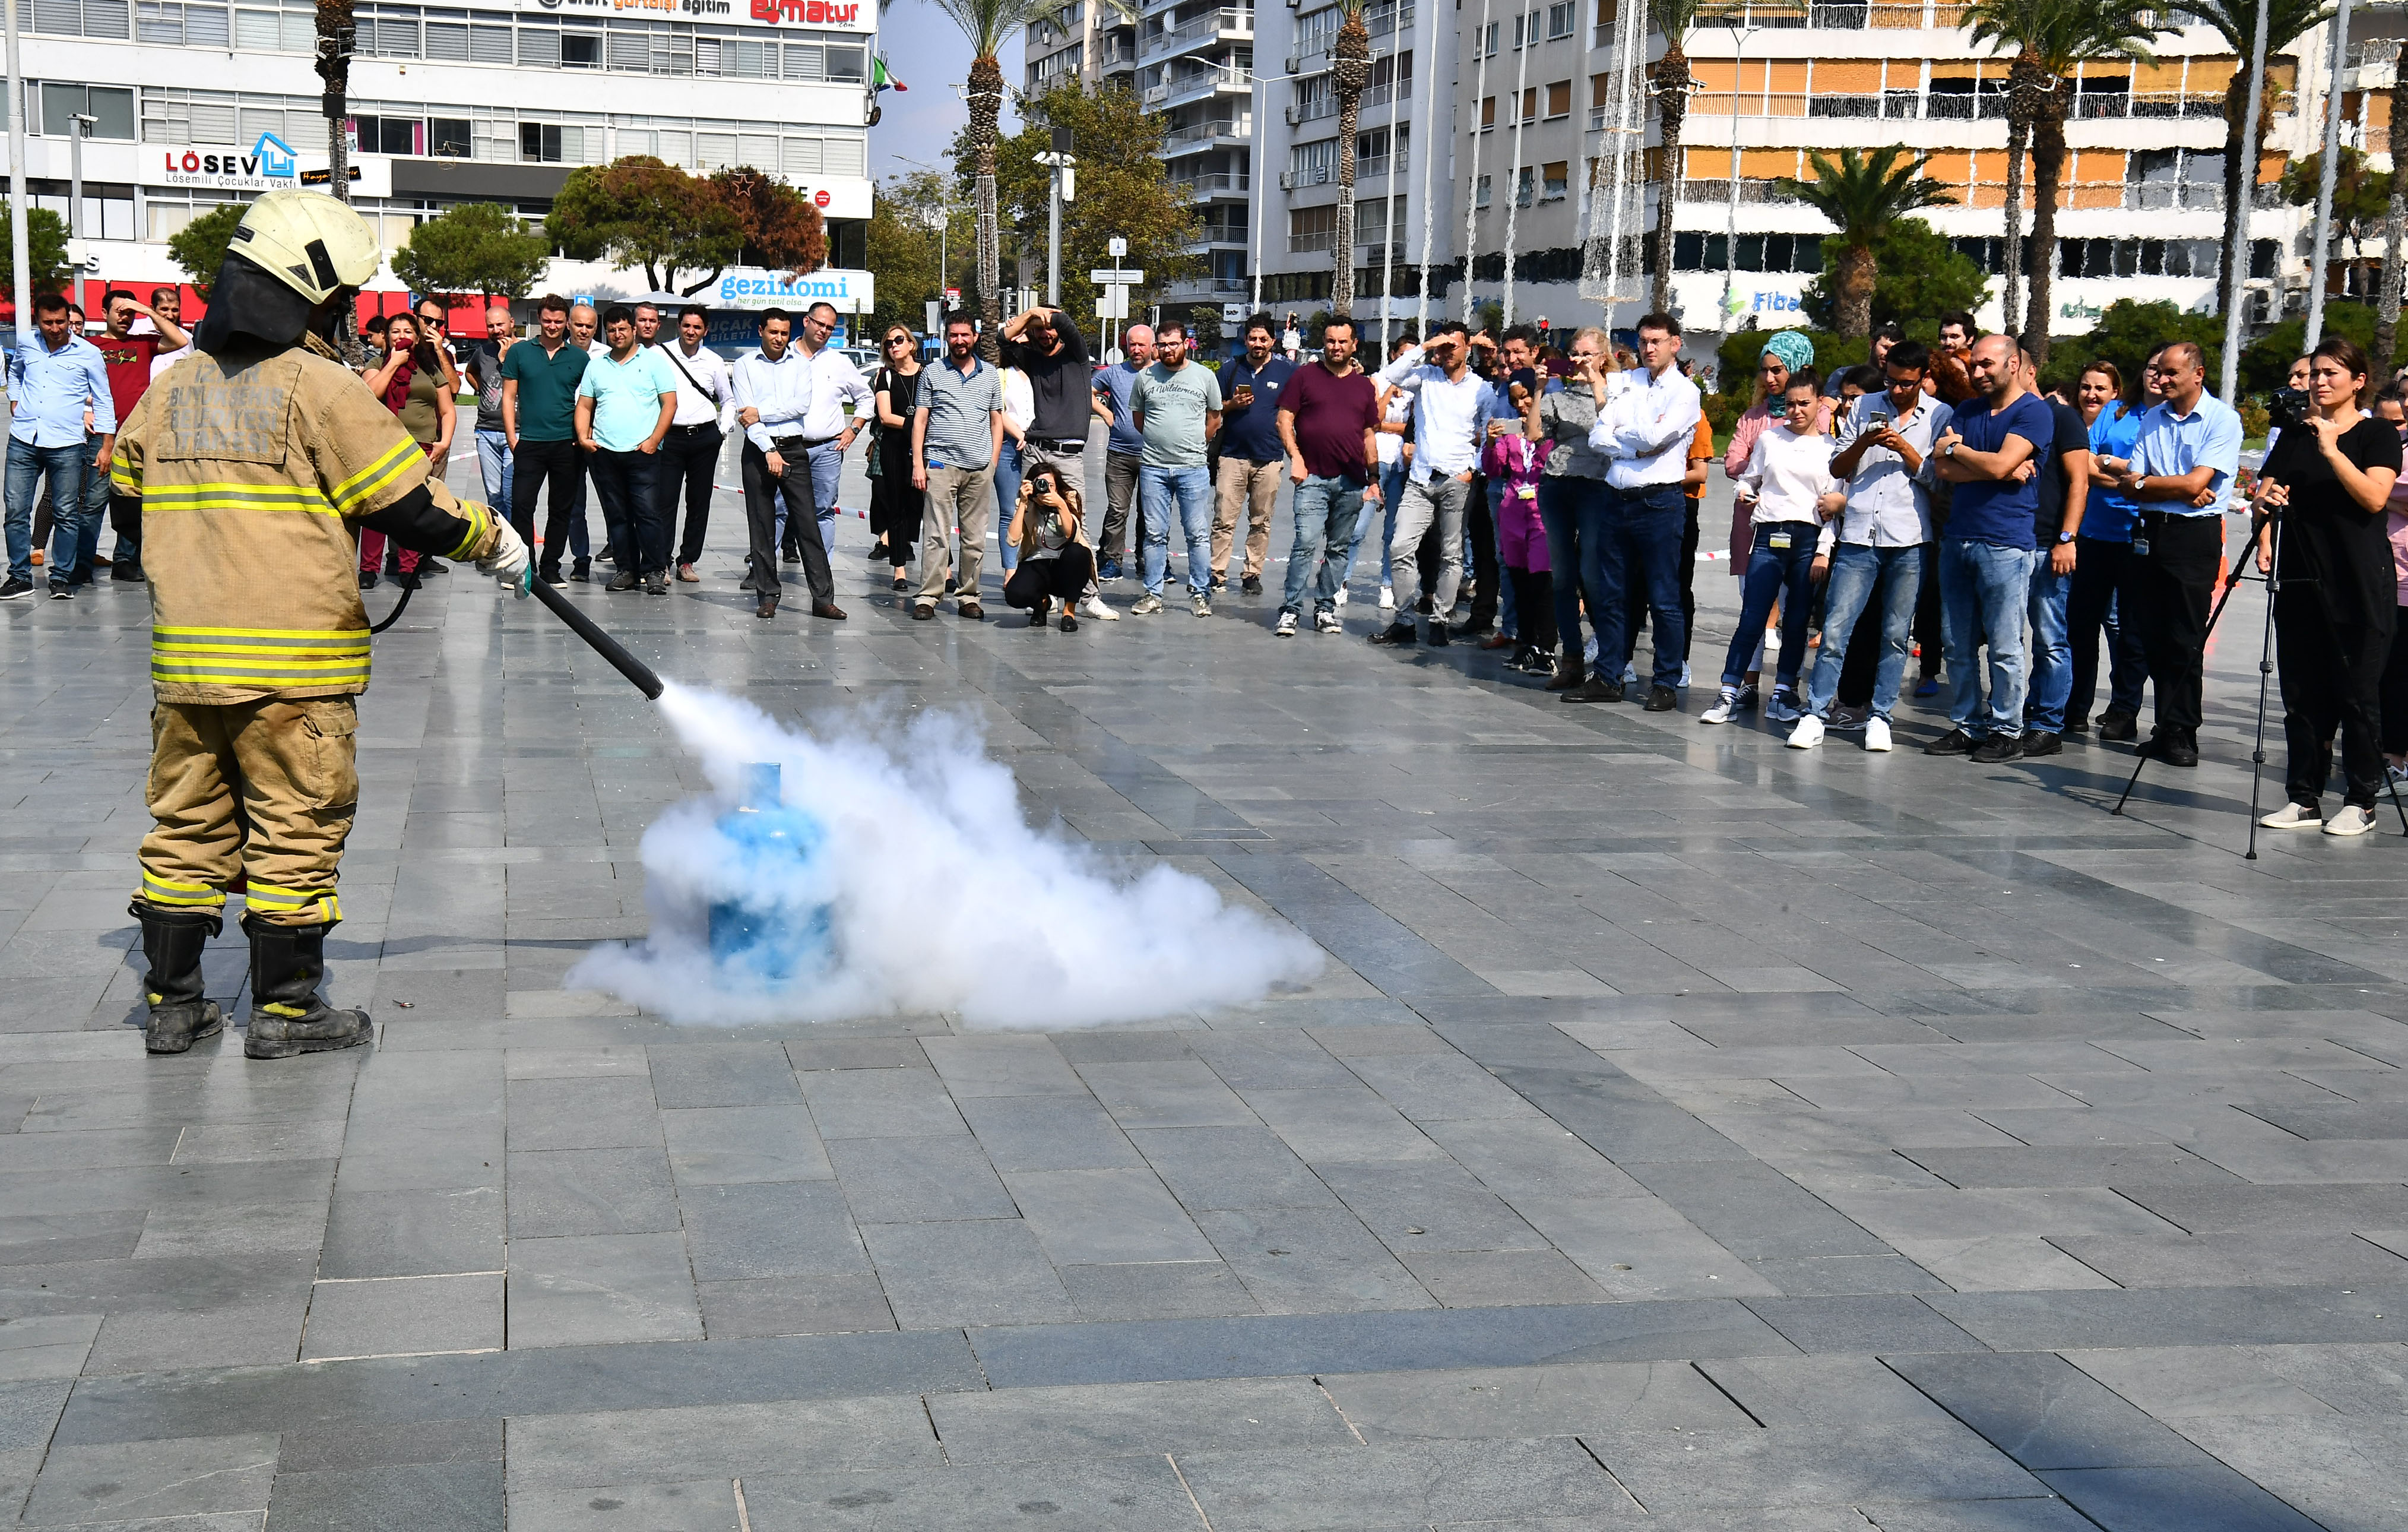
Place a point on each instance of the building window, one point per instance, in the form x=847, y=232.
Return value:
x=1768, y=252
x=181, y=25
x=1559, y=20
x=1479, y=196
x=551, y=143
x=1488, y=39
x=1488, y=114
x=80, y=18
x=1559, y=99
x=1312, y=229
x=1555, y=181
x=111, y=106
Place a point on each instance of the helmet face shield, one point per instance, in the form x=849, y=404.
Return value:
x=309, y=242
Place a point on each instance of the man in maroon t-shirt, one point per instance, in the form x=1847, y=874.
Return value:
x=128, y=357
x=1328, y=420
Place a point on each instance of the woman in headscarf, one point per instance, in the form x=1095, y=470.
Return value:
x=1785, y=351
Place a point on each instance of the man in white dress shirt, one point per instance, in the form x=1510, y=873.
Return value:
x=705, y=405
x=1447, y=396
x=1644, y=431
x=791, y=400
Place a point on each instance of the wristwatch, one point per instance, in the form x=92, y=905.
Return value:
x=1947, y=449
x=2065, y=537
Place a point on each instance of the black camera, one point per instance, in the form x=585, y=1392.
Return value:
x=2286, y=409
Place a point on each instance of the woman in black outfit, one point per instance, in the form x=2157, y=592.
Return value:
x=893, y=503
x=2331, y=480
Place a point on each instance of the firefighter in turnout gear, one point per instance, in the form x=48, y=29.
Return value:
x=256, y=461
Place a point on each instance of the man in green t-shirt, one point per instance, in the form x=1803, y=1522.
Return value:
x=539, y=380
x=1176, y=403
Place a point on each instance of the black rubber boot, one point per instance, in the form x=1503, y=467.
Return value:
x=172, y=940
x=288, y=1015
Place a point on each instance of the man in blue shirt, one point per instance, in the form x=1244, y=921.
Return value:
x=625, y=400
x=1250, y=455
x=1125, y=452
x=58, y=389
x=2100, y=552
x=2180, y=474
x=1991, y=453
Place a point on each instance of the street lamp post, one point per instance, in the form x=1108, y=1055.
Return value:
x=2320, y=243
x=1255, y=182
x=1740, y=31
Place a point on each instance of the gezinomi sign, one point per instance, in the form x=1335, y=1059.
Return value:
x=851, y=292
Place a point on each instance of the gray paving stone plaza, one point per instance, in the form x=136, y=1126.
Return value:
x=1685, y=1133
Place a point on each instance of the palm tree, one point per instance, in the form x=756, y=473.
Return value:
x=2025, y=86
x=1668, y=82
x=2395, y=234
x=2053, y=38
x=2236, y=20
x=336, y=37
x=1862, y=195
x=989, y=25
x=1350, y=70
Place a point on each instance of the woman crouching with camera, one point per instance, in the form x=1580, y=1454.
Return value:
x=2329, y=480
x=1047, y=528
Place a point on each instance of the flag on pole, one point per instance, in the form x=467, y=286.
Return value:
x=880, y=79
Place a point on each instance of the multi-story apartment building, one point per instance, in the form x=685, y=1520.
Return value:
x=1251, y=125
x=2141, y=208
x=196, y=103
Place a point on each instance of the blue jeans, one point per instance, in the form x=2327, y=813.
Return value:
x=1009, y=471
x=1982, y=590
x=1392, y=487
x=27, y=466
x=1776, y=573
x=1157, y=488
x=1643, y=548
x=72, y=560
x=1581, y=523
x=2052, y=656
x=1327, y=515
x=1855, y=571
x=493, y=467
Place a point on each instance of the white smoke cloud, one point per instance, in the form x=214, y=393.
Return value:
x=940, y=896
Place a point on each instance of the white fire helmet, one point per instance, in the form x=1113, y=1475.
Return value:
x=309, y=241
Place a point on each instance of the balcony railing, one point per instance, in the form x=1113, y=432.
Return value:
x=1300, y=244
x=1228, y=23
x=1936, y=107
x=1196, y=286
x=2131, y=196
x=1313, y=175
x=1208, y=129
x=1202, y=83
x=1205, y=186
x=1300, y=112
x=1310, y=52
x=1369, y=166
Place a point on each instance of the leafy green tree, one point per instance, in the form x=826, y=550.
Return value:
x=1125, y=191
x=1920, y=277
x=2266, y=361
x=639, y=211
x=778, y=227
x=2126, y=332
x=199, y=247
x=1863, y=194
x=2361, y=195
x=474, y=250
x=45, y=250
x=918, y=224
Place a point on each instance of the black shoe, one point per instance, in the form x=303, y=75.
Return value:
x=1997, y=748
x=626, y=579
x=1475, y=633
x=2077, y=725
x=1252, y=585
x=766, y=608
x=2172, y=748
x=288, y=1016
x=1663, y=699
x=581, y=571
x=2117, y=727
x=62, y=593
x=128, y=572
x=1036, y=612
x=552, y=575
x=1571, y=670
x=791, y=555
x=1438, y=639
x=172, y=940
x=1220, y=583
x=428, y=568
x=878, y=553
x=367, y=580
x=16, y=590
x=1596, y=689
x=1954, y=742
x=1401, y=635
x=2039, y=742
x=657, y=585
x=1069, y=622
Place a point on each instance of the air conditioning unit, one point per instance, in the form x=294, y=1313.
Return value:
x=1291, y=114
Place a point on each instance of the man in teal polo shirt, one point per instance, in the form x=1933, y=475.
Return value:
x=539, y=380
x=625, y=404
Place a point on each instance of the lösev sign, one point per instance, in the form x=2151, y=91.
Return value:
x=269, y=166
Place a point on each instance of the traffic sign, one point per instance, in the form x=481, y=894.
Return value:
x=1112, y=302
x=1117, y=248
x=1233, y=313
x=954, y=296
x=1105, y=276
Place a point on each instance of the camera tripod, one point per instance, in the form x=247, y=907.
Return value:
x=2273, y=582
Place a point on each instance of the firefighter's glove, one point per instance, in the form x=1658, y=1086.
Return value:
x=508, y=561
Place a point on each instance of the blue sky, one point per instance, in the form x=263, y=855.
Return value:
x=929, y=52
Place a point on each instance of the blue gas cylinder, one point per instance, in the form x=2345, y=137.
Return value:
x=771, y=928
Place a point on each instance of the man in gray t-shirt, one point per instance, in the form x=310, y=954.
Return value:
x=1176, y=405
x=956, y=432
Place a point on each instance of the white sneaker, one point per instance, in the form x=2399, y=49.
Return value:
x=1198, y=604
x=2352, y=820
x=1877, y=734
x=1094, y=607
x=1387, y=598
x=1807, y=735
x=1327, y=621
x=1783, y=709
x=1685, y=673
x=1726, y=703
x=1146, y=605
x=2292, y=816
x=1286, y=625
x=1631, y=673
x=1341, y=595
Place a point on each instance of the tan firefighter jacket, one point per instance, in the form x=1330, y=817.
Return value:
x=254, y=486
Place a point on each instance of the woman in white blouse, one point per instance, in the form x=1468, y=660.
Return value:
x=1019, y=410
